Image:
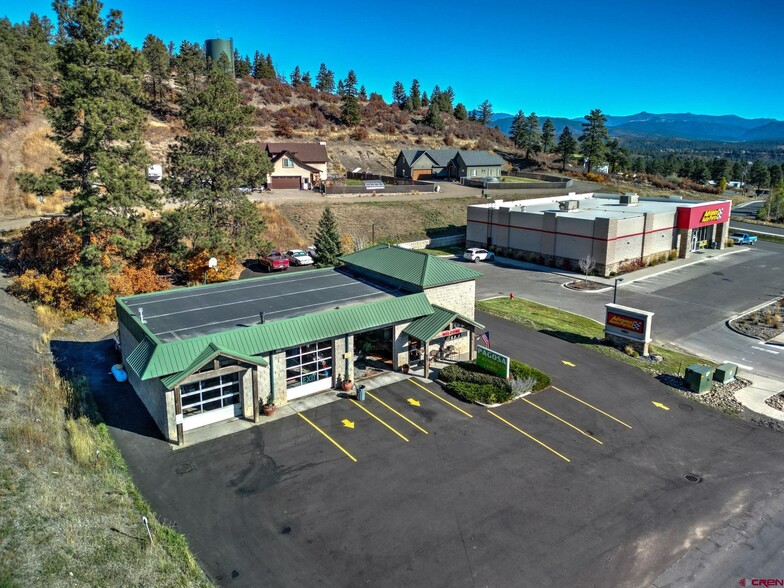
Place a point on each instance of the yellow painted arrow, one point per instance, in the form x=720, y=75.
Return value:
x=413, y=402
x=569, y=363
x=348, y=423
x=660, y=405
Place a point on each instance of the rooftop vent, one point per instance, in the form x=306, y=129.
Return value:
x=569, y=205
x=629, y=198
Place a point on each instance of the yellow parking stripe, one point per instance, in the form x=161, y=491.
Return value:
x=563, y=457
x=378, y=419
x=568, y=424
x=396, y=412
x=335, y=443
x=441, y=399
x=593, y=407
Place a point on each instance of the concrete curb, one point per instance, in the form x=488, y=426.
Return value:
x=754, y=309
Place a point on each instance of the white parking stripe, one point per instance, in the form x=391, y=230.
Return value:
x=766, y=350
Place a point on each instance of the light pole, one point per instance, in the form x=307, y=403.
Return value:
x=615, y=288
x=373, y=234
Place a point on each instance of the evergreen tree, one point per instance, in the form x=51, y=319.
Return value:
x=415, y=95
x=242, y=66
x=350, y=85
x=307, y=80
x=156, y=57
x=775, y=173
x=363, y=93
x=759, y=174
x=532, y=136
x=446, y=98
x=485, y=114
x=327, y=240
x=296, y=77
x=399, y=94
x=208, y=167
x=548, y=136
x=617, y=156
x=566, y=147
x=433, y=117
x=190, y=63
x=460, y=112
x=349, y=110
x=699, y=171
x=517, y=130
x=325, y=79
x=33, y=57
x=638, y=165
x=720, y=167
x=738, y=171
x=341, y=88
x=424, y=100
x=409, y=106
x=10, y=90
x=593, y=137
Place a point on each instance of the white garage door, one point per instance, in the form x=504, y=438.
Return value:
x=211, y=400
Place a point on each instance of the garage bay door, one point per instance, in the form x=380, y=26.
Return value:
x=285, y=182
x=421, y=174
x=211, y=400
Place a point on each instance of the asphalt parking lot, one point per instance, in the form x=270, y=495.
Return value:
x=585, y=484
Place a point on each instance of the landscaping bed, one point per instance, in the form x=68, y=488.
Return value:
x=585, y=286
x=471, y=383
x=764, y=323
x=720, y=396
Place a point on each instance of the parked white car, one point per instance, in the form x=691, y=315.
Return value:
x=299, y=257
x=476, y=255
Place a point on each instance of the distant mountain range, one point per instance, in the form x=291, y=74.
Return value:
x=695, y=127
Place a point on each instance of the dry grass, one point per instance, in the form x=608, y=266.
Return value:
x=280, y=232
x=69, y=512
x=39, y=151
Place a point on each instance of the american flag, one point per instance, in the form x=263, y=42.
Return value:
x=486, y=338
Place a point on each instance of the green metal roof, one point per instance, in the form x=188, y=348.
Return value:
x=176, y=356
x=141, y=355
x=210, y=352
x=429, y=326
x=412, y=267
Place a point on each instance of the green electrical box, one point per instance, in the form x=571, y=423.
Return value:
x=726, y=372
x=699, y=378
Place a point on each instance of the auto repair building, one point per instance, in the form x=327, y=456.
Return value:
x=204, y=354
x=619, y=232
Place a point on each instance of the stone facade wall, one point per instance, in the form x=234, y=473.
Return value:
x=399, y=346
x=457, y=297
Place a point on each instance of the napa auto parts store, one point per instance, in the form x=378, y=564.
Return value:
x=205, y=354
x=619, y=232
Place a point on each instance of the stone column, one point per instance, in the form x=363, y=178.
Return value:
x=178, y=415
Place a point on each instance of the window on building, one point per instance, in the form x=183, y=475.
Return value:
x=287, y=162
x=210, y=394
x=308, y=363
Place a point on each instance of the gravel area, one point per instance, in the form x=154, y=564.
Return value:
x=764, y=323
x=776, y=401
x=720, y=396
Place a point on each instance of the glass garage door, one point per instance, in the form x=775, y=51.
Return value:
x=308, y=369
x=211, y=400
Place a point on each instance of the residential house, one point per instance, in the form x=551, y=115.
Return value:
x=297, y=165
x=419, y=164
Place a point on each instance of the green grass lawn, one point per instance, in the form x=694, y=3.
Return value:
x=443, y=250
x=583, y=331
x=355, y=182
x=515, y=179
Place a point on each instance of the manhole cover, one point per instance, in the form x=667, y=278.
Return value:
x=686, y=407
x=693, y=478
x=184, y=468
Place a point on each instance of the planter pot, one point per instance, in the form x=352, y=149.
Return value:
x=405, y=368
x=268, y=409
x=347, y=385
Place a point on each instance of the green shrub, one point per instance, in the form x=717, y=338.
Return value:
x=468, y=372
x=520, y=371
x=472, y=383
x=484, y=393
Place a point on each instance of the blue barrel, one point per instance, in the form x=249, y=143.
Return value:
x=361, y=393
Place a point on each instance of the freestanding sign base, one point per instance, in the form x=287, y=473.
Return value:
x=625, y=326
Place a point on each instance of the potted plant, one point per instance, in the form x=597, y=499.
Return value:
x=269, y=407
x=405, y=367
x=345, y=384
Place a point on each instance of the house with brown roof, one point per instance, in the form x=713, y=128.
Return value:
x=297, y=165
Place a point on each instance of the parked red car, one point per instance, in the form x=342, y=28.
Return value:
x=274, y=261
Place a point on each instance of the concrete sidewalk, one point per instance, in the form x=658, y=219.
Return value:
x=753, y=397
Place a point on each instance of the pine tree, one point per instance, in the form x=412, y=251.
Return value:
x=190, y=63
x=460, y=112
x=98, y=125
x=156, y=57
x=363, y=93
x=617, y=156
x=759, y=174
x=517, y=129
x=350, y=84
x=296, y=77
x=399, y=94
x=593, y=137
x=33, y=57
x=10, y=90
x=341, y=88
x=433, y=117
x=565, y=147
x=306, y=79
x=548, y=136
x=208, y=167
x=425, y=102
x=533, y=137
x=415, y=95
x=485, y=114
x=349, y=111
x=325, y=79
x=242, y=66
x=447, y=98
x=327, y=240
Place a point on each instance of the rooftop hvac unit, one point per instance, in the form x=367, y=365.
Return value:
x=629, y=198
x=568, y=205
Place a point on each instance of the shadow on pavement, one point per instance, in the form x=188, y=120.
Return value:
x=118, y=404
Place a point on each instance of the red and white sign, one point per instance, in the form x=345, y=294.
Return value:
x=626, y=323
x=703, y=216
x=450, y=332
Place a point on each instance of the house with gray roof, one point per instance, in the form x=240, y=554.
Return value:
x=419, y=164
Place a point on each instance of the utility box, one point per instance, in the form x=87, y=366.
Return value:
x=699, y=378
x=726, y=372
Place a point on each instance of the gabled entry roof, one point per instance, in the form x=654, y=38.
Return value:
x=210, y=352
x=419, y=270
x=428, y=327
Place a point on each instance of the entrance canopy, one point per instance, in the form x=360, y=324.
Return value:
x=210, y=353
x=431, y=326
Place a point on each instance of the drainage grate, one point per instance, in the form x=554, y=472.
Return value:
x=693, y=478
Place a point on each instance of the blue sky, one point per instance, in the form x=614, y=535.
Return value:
x=555, y=58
